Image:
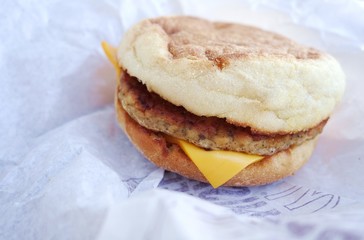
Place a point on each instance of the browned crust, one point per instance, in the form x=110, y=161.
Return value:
x=170, y=156
x=220, y=42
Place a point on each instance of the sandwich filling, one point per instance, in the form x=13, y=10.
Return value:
x=213, y=133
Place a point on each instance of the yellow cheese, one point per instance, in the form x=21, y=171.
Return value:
x=111, y=55
x=217, y=166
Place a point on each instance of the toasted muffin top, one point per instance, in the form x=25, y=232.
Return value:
x=246, y=75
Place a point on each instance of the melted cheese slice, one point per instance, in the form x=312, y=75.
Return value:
x=217, y=166
x=110, y=52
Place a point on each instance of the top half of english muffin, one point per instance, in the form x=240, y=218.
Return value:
x=250, y=77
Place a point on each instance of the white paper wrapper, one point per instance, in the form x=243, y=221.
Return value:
x=68, y=172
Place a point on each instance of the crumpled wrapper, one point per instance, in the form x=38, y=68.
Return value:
x=67, y=171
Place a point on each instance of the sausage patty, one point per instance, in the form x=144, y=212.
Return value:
x=155, y=113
